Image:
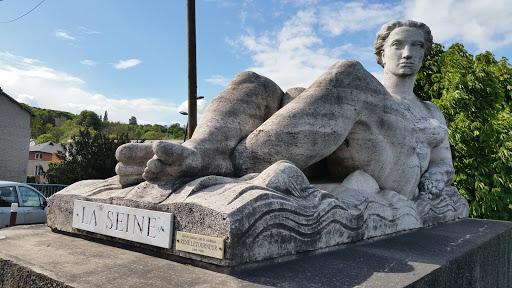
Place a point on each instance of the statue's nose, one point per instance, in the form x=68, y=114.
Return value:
x=406, y=52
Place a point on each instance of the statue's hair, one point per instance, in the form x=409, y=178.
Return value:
x=383, y=34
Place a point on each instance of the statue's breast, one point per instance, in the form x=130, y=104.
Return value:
x=431, y=132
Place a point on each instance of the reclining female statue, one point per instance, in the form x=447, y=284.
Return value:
x=344, y=122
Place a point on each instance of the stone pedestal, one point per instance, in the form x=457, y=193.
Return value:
x=252, y=219
x=463, y=253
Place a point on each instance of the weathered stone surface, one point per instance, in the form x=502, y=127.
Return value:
x=259, y=222
x=344, y=122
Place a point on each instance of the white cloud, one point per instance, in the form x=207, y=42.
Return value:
x=45, y=87
x=300, y=2
x=123, y=64
x=88, y=31
x=201, y=105
x=62, y=34
x=300, y=49
x=27, y=99
x=222, y=3
x=89, y=62
x=488, y=24
x=349, y=17
x=218, y=80
x=293, y=55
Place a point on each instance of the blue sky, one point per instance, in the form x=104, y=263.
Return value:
x=130, y=57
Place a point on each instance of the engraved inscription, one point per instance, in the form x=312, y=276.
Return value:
x=139, y=225
x=200, y=244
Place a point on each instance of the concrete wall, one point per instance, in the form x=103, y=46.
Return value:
x=14, y=140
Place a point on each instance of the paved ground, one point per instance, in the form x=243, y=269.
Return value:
x=445, y=255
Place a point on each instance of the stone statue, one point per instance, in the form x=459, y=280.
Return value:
x=346, y=121
x=274, y=173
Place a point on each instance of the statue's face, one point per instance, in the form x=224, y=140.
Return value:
x=403, y=51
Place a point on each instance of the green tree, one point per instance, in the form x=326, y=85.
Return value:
x=176, y=131
x=89, y=119
x=153, y=135
x=132, y=121
x=474, y=95
x=45, y=138
x=105, y=117
x=58, y=133
x=89, y=156
x=37, y=128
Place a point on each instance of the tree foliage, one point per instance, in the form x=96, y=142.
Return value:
x=89, y=119
x=474, y=94
x=89, y=156
x=44, y=138
x=63, y=125
x=132, y=120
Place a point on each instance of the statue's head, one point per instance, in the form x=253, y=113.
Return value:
x=385, y=31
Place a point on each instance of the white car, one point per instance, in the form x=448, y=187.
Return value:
x=31, y=204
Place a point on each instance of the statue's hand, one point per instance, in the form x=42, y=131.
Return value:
x=432, y=184
x=132, y=159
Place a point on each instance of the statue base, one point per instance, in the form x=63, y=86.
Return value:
x=463, y=253
x=256, y=222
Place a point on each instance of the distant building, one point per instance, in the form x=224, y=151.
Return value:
x=39, y=157
x=15, y=123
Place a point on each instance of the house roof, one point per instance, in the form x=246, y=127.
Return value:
x=48, y=147
x=12, y=99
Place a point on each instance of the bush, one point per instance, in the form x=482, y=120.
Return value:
x=89, y=156
x=31, y=179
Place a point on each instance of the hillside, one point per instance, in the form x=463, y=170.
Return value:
x=59, y=126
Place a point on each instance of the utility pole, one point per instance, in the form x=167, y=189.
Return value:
x=192, y=68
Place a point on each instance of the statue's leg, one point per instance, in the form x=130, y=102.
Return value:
x=313, y=125
x=247, y=102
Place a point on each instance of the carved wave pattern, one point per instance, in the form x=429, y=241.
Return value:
x=449, y=206
x=278, y=223
x=330, y=222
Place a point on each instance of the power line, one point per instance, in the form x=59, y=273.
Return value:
x=23, y=14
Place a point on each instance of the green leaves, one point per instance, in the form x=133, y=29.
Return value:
x=474, y=94
x=89, y=156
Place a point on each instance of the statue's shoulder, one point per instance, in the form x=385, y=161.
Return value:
x=435, y=112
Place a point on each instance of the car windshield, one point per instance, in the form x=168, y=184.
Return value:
x=8, y=196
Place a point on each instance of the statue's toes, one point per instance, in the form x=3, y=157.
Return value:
x=134, y=152
x=157, y=169
x=171, y=153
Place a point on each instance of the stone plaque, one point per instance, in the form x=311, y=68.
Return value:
x=200, y=244
x=139, y=225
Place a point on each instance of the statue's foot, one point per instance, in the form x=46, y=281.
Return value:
x=172, y=161
x=132, y=159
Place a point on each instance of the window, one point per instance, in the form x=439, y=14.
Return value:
x=8, y=195
x=39, y=156
x=39, y=170
x=30, y=198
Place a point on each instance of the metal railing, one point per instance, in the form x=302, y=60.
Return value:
x=48, y=189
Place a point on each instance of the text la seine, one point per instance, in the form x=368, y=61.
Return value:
x=118, y=221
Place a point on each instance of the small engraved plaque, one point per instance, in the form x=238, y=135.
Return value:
x=139, y=225
x=200, y=244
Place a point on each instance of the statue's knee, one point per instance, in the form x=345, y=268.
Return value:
x=247, y=77
x=347, y=64
x=349, y=74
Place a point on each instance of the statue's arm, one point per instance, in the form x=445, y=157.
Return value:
x=440, y=172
